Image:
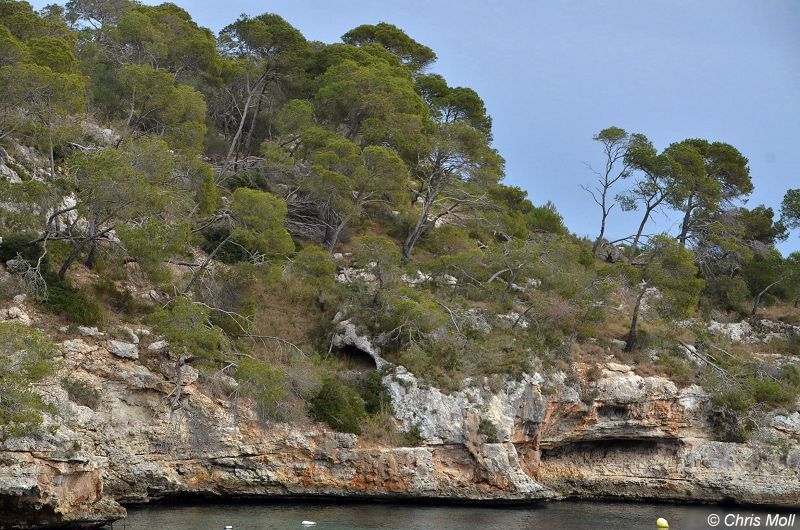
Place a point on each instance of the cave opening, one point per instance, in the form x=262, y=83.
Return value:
x=355, y=357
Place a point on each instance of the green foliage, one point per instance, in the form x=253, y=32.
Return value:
x=672, y=271
x=38, y=100
x=17, y=244
x=265, y=384
x=71, y=303
x=187, y=328
x=393, y=39
x=409, y=315
x=315, y=268
x=368, y=100
x=208, y=197
x=728, y=293
x=152, y=103
x=380, y=255
x=260, y=218
x=81, y=392
x=488, y=431
x=545, y=218
x=755, y=389
x=790, y=208
x=26, y=357
x=373, y=392
x=121, y=298
x=165, y=36
x=339, y=405
x=151, y=241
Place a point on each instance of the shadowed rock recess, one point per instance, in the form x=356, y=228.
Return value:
x=637, y=438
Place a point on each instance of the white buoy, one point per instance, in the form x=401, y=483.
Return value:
x=228, y=527
x=308, y=523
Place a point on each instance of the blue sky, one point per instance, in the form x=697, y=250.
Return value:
x=553, y=73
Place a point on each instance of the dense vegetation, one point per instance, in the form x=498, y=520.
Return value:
x=241, y=170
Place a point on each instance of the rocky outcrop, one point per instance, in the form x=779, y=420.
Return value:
x=605, y=433
x=627, y=437
x=762, y=331
x=38, y=489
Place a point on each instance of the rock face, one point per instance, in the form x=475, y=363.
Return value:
x=637, y=437
x=41, y=490
x=620, y=436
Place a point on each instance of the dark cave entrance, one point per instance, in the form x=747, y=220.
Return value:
x=355, y=357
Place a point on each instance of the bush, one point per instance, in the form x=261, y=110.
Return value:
x=730, y=294
x=187, y=329
x=265, y=385
x=373, y=392
x=81, y=392
x=230, y=251
x=26, y=357
x=756, y=389
x=16, y=244
x=677, y=369
x=71, y=303
x=770, y=392
x=488, y=431
x=339, y=405
x=729, y=426
x=121, y=299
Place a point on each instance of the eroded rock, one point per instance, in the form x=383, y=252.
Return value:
x=126, y=350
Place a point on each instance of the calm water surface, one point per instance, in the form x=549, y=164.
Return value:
x=330, y=516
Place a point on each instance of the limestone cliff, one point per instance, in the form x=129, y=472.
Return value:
x=534, y=439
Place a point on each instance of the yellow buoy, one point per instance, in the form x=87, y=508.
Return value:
x=662, y=523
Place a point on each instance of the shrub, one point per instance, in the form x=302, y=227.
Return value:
x=265, y=384
x=488, y=431
x=729, y=426
x=756, y=389
x=737, y=400
x=120, y=299
x=71, y=303
x=26, y=357
x=381, y=429
x=414, y=437
x=677, y=369
x=339, y=405
x=16, y=244
x=81, y=392
x=769, y=391
x=373, y=392
x=187, y=329
x=730, y=294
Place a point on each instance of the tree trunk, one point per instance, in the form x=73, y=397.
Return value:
x=638, y=236
x=757, y=299
x=205, y=263
x=253, y=121
x=93, y=248
x=634, y=322
x=176, y=400
x=420, y=228
x=235, y=142
x=52, y=157
x=601, y=235
x=76, y=249
x=334, y=236
x=92, y=255
x=687, y=219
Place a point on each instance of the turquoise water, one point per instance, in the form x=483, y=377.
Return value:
x=362, y=516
